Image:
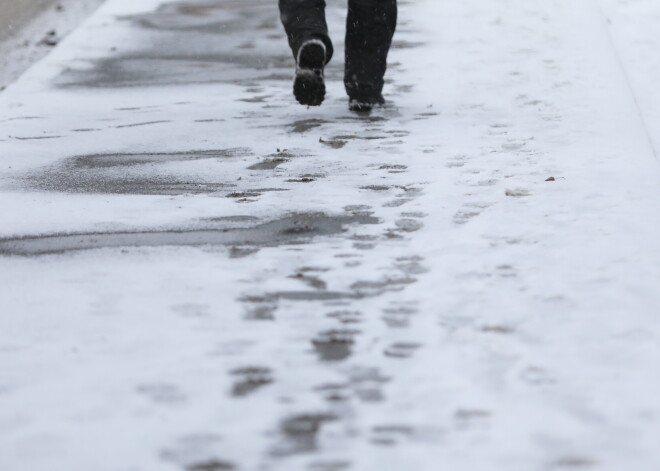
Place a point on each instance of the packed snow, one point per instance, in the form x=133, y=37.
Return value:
x=196, y=273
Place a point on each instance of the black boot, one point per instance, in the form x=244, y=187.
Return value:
x=307, y=32
x=370, y=27
x=308, y=86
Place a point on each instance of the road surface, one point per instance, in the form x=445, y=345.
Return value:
x=198, y=274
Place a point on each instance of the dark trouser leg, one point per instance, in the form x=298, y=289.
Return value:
x=304, y=20
x=369, y=30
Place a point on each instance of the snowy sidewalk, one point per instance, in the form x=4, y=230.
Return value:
x=198, y=274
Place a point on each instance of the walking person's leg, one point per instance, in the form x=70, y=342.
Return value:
x=307, y=32
x=369, y=30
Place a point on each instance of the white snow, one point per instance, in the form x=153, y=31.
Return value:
x=517, y=327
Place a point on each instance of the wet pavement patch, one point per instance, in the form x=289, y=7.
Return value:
x=402, y=44
x=269, y=164
x=161, y=185
x=129, y=173
x=411, y=266
x=393, y=167
x=498, y=329
x=398, y=317
x=330, y=466
x=153, y=68
x=301, y=432
x=196, y=452
x=333, y=143
x=211, y=465
x=401, y=350
x=242, y=252
x=373, y=288
x=335, y=345
x=243, y=194
x=191, y=43
x=305, y=125
x=367, y=383
x=356, y=209
x=273, y=161
x=575, y=462
x=390, y=435
x=120, y=159
x=375, y=187
x=310, y=280
x=352, y=137
x=256, y=99
x=261, y=311
x=35, y=138
x=334, y=392
x=146, y=123
x=396, y=203
x=365, y=118
x=211, y=16
x=291, y=229
x=358, y=290
x=346, y=317
x=249, y=380
x=315, y=295
x=409, y=225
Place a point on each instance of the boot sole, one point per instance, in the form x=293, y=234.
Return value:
x=309, y=86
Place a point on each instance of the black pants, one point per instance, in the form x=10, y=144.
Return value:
x=369, y=29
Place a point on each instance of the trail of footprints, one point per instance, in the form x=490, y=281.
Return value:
x=345, y=320
x=340, y=348
x=338, y=345
x=345, y=328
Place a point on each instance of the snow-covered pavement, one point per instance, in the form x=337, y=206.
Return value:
x=198, y=274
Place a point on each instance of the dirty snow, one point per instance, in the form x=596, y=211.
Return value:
x=196, y=273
